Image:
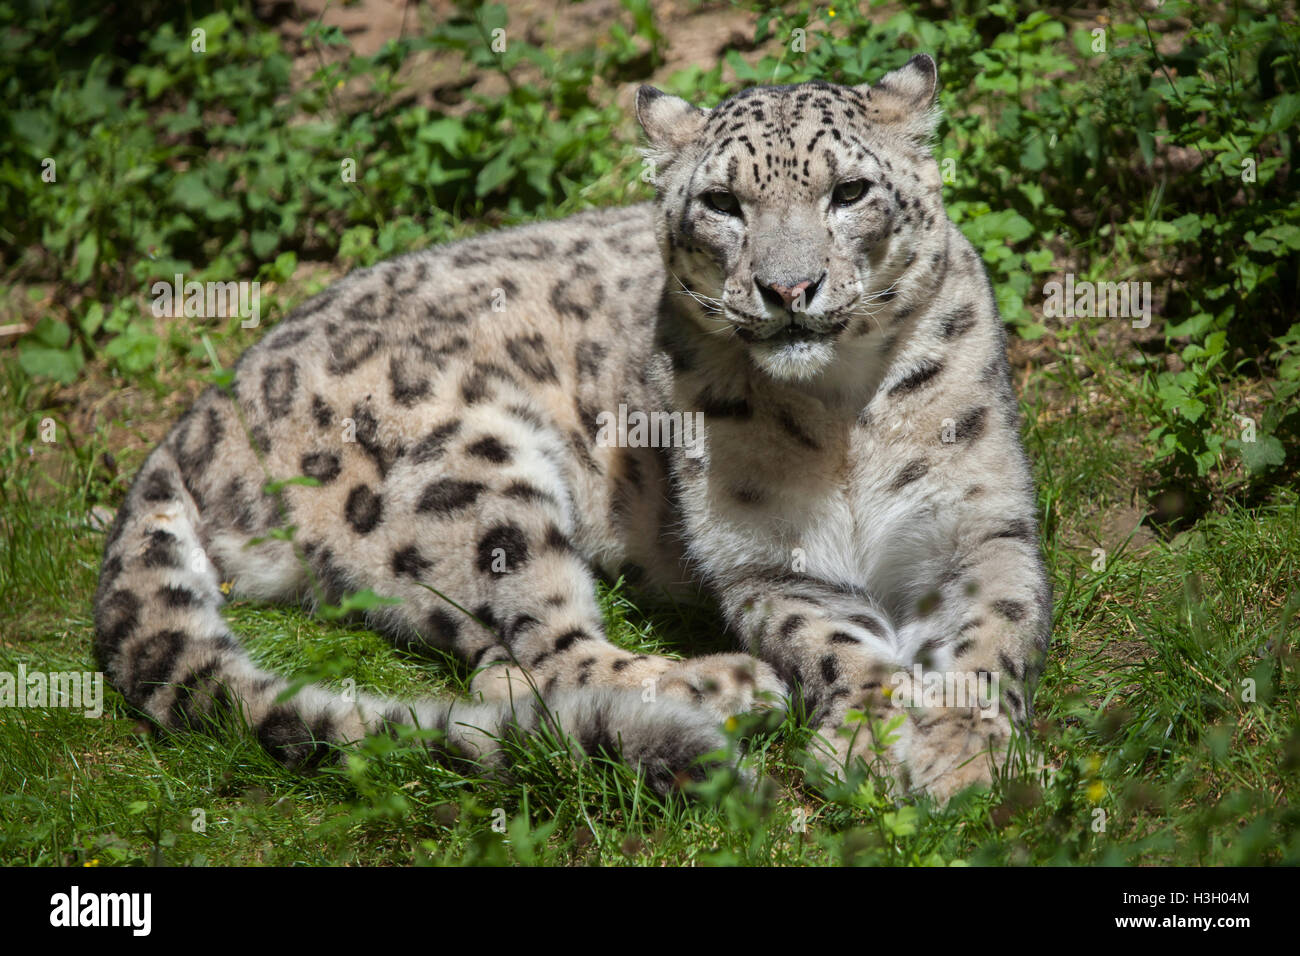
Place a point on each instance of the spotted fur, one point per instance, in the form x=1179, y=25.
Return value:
x=861, y=502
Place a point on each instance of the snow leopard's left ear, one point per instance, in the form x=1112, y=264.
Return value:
x=669, y=121
x=905, y=98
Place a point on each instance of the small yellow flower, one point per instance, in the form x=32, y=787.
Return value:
x=1097, y=791
x=831, y=12
x=94, y=862
x=731, y=724
x=226, y=586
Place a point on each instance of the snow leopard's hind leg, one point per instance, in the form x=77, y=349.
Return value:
x=479, y=512
x=163, y=643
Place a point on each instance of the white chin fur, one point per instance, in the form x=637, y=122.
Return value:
x=793, y=361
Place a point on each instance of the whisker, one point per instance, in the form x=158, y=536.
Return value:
x=697, y=296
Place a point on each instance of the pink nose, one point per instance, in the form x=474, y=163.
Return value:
x=793, y=297
x=790, y=292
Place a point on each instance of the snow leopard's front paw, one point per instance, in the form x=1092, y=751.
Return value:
x=725, y=685
x=672, y=744
x=945, y=754
x=936, y=750
x=719, y=685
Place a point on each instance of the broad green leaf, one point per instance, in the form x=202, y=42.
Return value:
x=263, y=243
x=49, y=333
x=87, y=253
x=1285, y=111
x=1265, y=452
x=40, y=361
x=498, y=171
x=192, y=192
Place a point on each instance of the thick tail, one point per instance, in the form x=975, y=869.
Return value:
x=163, y=643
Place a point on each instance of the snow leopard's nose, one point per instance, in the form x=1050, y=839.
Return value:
x=793, y=297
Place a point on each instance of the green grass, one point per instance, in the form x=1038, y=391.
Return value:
x=1140, y=715
x=1167, y=717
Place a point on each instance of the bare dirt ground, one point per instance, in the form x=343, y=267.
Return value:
x=695, y=34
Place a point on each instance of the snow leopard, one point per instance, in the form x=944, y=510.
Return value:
x=854, y=494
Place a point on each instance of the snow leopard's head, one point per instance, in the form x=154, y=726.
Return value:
x=796, y=215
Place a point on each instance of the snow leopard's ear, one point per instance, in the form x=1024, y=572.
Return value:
x=669, y=122
x=905, y=98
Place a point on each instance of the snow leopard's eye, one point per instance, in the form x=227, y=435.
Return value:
x=719, y=200
x=847, y=193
